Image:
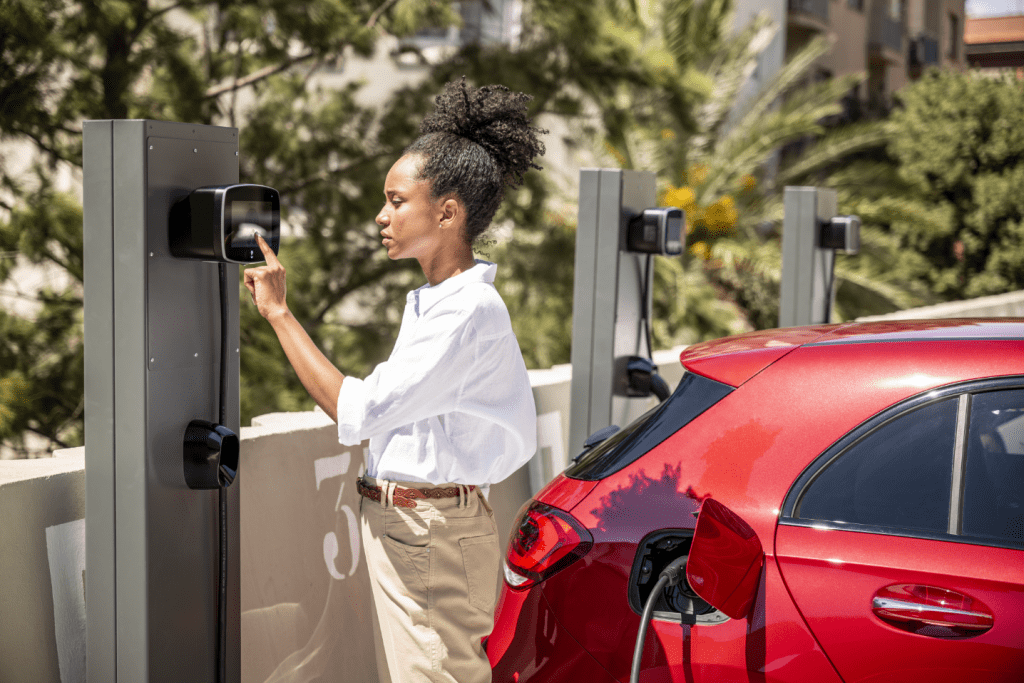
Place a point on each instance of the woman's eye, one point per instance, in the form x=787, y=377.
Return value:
x=396, y=201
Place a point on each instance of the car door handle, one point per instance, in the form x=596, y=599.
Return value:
x=913, y=607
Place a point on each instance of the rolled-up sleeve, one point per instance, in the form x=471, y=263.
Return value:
x=423, y=377
x=351, y=400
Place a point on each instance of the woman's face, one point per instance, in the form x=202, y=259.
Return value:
x=410, y=218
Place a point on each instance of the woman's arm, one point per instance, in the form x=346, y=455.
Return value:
x=318, y=375
x=321, y=379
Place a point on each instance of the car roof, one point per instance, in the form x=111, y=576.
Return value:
x=734, y=360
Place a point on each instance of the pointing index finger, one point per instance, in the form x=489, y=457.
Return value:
x=268, y=253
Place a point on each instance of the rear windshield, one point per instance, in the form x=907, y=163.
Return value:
x=693, y=396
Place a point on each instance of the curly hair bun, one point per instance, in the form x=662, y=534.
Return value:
x=493, y=117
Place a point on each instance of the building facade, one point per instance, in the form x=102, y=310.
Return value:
x=891, y=41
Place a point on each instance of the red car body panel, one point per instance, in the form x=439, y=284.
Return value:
x=528, y=638
x=799, y=391
x=564, y=493
x=833, y=576
x=734, y=360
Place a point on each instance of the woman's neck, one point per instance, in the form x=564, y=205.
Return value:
x=446, y=263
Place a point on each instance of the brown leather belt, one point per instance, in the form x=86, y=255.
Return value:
x=406, y=498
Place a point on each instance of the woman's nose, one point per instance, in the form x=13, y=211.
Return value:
x=381, y=218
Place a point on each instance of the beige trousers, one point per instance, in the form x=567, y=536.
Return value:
x=434, y=575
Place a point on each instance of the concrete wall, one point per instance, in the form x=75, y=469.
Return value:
x=1009, y=305
x=42, y=560
x=305, y=593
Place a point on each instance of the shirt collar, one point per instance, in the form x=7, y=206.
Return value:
x=426, y=296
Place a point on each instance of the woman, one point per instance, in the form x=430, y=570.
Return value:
x=451, y=411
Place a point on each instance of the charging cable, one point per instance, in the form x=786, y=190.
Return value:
x=645, y=318
x=642, y=376
x=670, y=576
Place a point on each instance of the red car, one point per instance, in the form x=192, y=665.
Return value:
x=849, y=498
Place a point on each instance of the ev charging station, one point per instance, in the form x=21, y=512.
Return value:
x=812, y=233
x=166, y=224
x=617, y=233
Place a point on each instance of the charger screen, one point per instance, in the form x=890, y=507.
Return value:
x=248, y=219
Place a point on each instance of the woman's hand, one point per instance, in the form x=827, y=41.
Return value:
x=266, y=284
x=321, y=379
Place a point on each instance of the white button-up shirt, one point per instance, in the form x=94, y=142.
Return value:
x=453, y=403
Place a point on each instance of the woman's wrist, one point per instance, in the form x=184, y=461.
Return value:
x=279, y=315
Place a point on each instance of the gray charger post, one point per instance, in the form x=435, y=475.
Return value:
x=807, y=267
x=606, y=301
x=152, y=358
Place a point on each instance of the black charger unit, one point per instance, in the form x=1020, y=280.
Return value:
x=842, y=233
x=656, y=231
x=220, y=223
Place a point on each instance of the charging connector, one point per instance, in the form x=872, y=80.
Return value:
x=669, y=576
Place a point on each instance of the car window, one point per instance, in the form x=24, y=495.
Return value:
x=692, y=396
x=898, y=475
x=993, y=502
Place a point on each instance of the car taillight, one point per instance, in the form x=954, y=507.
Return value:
x=544, y=540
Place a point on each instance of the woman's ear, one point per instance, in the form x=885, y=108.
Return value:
x=452, y=213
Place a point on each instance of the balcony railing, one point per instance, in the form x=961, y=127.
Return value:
x=816, y=8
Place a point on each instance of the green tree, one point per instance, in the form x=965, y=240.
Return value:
x=958, y=145
x=65, y=61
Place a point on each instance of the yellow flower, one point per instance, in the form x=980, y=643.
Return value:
x=698, y=174
x=694, y=217
x=748, y=182
x=681, y=197
x=700, y=250
x=667, y=134
x=722, y=215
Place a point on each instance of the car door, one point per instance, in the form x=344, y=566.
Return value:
x=903, y=545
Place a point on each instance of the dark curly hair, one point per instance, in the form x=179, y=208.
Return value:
x=475, y=143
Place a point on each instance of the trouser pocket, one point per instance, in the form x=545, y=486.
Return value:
x=412, y=563
x=406, y=541
x=480, y=561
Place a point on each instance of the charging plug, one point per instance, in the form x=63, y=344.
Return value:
x=644, y=380
x=675, y=571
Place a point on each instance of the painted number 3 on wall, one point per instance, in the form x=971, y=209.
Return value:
x=329, y=468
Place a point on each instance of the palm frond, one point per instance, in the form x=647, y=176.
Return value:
x=785, y=79
x=857, y=284
x=750, y=144
x=729, y=71
x=835, y=145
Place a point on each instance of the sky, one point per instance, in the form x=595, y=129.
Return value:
x=994, y=8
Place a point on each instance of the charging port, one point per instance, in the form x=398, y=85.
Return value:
x=677, y=603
